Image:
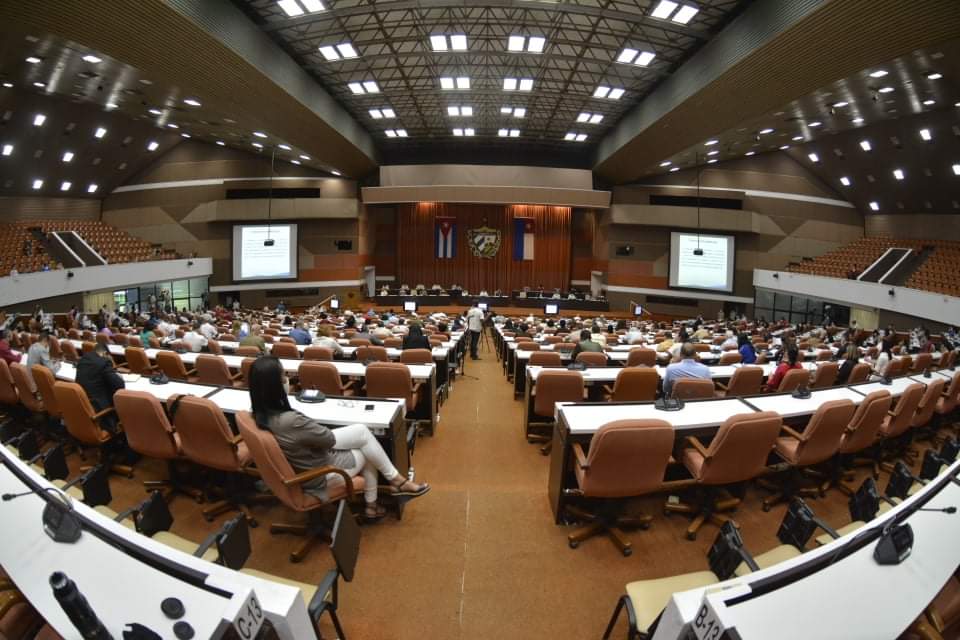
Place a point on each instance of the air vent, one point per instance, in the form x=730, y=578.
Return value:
x=624, y=250
x=248, y=194
x=691, y=201
x=343, y=245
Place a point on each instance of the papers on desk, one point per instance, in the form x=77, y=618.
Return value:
x=130, y=377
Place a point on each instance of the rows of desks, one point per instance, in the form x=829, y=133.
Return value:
x=577, y=422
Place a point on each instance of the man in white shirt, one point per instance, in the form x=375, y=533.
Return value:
x=475, y=326
x=194, y=339
x=208, y=331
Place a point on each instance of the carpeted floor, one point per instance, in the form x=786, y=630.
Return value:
x=479, y=556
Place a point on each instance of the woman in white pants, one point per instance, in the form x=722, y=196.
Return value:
x=308, y=444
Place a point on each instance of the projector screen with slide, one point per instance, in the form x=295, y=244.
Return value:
x=701, y=261
x=264, y=252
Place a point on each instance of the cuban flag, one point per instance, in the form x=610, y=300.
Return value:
x=523, y=238
x=445, y=236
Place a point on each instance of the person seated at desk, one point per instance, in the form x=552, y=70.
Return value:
x=325, y=339
x=498, y=293
x=586, y=344
x=731, y=342
x=307, y=444
x=300, y=335
x=788, y=363
x=571, y=296
x=254, y=339
x=39, y=353
x=483, y=293
x=6, y=353
x=700, y=332
x=587, y=296
x=282, y=307
x=540, y=291
x=420, y=290
x=883, y=359
x=404, y=289
x=747, y=353
x=688, y=367
x=556, y=294
x=522, y=294
x=95, y=373
x=193, y=339
x=415, y=339
x=436, y=288
x=208, y=331
x=363, y=333
x=851, y=358
x=384, y=290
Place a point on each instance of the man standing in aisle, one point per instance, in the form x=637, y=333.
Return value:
x=475, y=325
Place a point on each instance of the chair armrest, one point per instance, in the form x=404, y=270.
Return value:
x=696, y=444
x=191, y=372
x=791, y=432
x=720, y=386
x=237, y=376
x=891, y=414
x=607, y=389
x=319, y=603
x=351, y=384
x=313, y=474
x=580, y=456
x=416, y=388
x=208, y=542
x=100, y=414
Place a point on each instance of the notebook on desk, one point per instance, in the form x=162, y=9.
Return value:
x=130, y=377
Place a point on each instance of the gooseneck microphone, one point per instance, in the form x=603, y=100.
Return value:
x=77, y=608
x=943, y=510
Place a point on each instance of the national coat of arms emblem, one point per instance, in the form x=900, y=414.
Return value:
x=484, y=241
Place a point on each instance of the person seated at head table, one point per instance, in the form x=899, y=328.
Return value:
x=688, y=367
x=308, y=444
x=556, y=294
x=483, y=293
x=99, y=379
x=254, y=339
x=436, y=287
x=404, y=288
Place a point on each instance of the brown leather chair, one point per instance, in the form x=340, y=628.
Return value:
x=859, y=373
x=897, y=424
x=950, y=399
x=634, y=384
x=249, y=352
x=150, y=434
x=921, y=362
x=692, y=388
x=138, y=362
x=922, y=425
x=416, y=356
x=87, y=336
x=44, y=380
x=69, y=351
x=55, y=351
x=392, y=380
x=134, y=341
x=528, y=345
x=545, y=359
x=213, y=370
x=214, y=347
x=26, y=388
x=745, y=381
x=245, y=365
x=227, y=337
x=284, y=349
x=83, y=425
x=376, y=354
x=640, y=357
x=171, y=364
x=393, y=343
x=318, y=353
x=737, y=453
x=794, y=379
x=120, y=339
x=944, y=612
x=553, y=385
x=154, y=342
x=730, y=357
x=825, y=375
x=287, y=485
x=359, y=342
x=861, y=434
x=324, y=377
x=592, y=358
x=8, y=389
x=206, y=440
x=818, y=442
x=627, y=458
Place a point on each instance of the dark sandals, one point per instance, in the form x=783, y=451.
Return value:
x=399, y=492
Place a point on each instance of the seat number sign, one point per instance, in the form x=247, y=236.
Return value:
x=707, y=625
x=249, y=618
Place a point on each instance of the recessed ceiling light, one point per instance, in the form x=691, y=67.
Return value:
x=925, y=134
x=172, y=125
x=929, y=102
x=342, y=51
x=713, y=153
x=192, y=102
x=514, y=133
x=526, y=84
x=711, y=161
x=596, y=118
x=813, y=157
x=710, y=143
x=666, y=163
x=304, y=157
x=152, y=145
x=886, y=89
x=458, y=42
x=39, y=119
x=764, y=132
x=34, y=60
x=7, y=85
x=7, y=149
x=371, y=86
x=221, y=143
x=185, y=135
x=616, y=93
x=37, y=184
x=664, y=9
x=67, y=156
x=99, y=133
x=685, y=14
x=898, y=174
x=92, y=59
x=536, y=44
x=260, y=134
x=857, y=120
x=356, y=87
x=627, y=56
x=879, y=73
x=65, y=185
x=845, y=181
x=797, y=138
x=784, y=147
x=92, y=187
x=294, y=162
x=257, y=145
x=391, y=133
x=111, y=105
x=865, y=145
x=39, y=85
x=674, y=169
x=840, y=104
x=956, y=169
x=875, y=206
x=503, y=133
x=815, y=123
x=934, y=76
x=155, y=112
x=509, y=84
x=601, y=92
x=335, y=172
x=388, y=112
x=750, y=153
x=515, y=43
x=313, y=6
x=291, y=8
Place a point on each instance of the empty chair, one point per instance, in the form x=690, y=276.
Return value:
x=8, y=389
x=640, y=357
x=323, y=377
x=951, y=397
x=372, y=354
x=134, y=341
x=627, y=458
x=859, y=373
x=392, y=380
x=214, y=347
x=285, y=350
x=84, y=427
x=545, y=359
x=248, y=352
x=394, y=343
x=149, y=433
x=44, y=380
x=213, y=370
x=926, y=409
x=528, y=345
x=287, y=485
x=552, y=386
x=359, y=342
x=745, y=381
x=794, y=379
x=592, y=358
x=26, y=388
x=692, y=389
x=227, y=337
x=861, y=433
x=818, y=441
x=171, y=364
x=730, y=357
x=69, y=351
x=635, y=384
x=825, y=375
x=921, y=362
x=138, y=362
x=737, y=453
x=899, y=420
x=416, y=356
x=318, y=353
x=206, y=439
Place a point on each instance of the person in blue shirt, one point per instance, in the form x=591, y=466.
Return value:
x=300, y=334
x=747, y=353
x=688, y=367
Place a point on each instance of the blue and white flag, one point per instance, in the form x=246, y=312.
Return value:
x=523, y=238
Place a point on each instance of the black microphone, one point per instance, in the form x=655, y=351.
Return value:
x=944, y=510
x=7, y=497
x=83, y=617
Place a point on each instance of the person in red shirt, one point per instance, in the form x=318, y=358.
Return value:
x=6, y=353
x=790, y=362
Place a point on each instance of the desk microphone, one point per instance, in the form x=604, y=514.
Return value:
x=944, y=510
x=83, y=617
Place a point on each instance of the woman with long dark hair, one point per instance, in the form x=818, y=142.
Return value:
x=415, y=338
x=307, y=444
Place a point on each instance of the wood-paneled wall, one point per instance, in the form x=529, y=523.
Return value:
x=14, y=209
